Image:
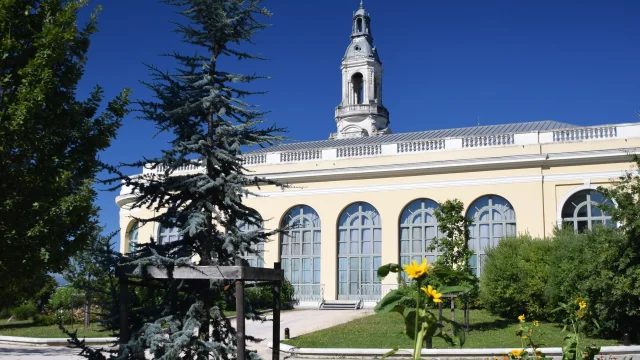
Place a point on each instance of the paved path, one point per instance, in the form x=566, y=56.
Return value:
x=298, y=321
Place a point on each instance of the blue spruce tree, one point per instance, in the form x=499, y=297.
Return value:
x=205, y=109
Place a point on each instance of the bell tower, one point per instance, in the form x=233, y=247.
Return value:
x=361, y=112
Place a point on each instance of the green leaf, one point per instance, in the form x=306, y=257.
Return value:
x=384, y=270
x=458, y=330
x=389, y=302
x=458, y=289
x=390, y=353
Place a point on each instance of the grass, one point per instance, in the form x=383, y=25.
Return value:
x=387, y=331
x=26, y=328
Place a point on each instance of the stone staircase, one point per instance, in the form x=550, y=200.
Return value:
x=340, y=305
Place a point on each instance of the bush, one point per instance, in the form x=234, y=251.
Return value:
x=262, y=297
x=515, y=275
x=601, y=266
x=45, y=320
x=24, y=311
x=62, y=298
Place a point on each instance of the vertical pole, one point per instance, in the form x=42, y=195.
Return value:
x=466, y=315
x=440, y=313
x=87, y=318
x=240, y=315
x=453, y=309
x=277, y=289
x=124, y=312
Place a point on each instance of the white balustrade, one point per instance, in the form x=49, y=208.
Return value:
x=487, y=140
x=421, y=145
x=359, y=151
x=301, y=155
x=587, y=133
x=254, y=159
x=161, y=168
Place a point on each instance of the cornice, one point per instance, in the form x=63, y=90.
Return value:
x=459, y=165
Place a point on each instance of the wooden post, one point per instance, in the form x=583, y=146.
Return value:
x=87, y=315
x=124, y=312
x=453, y=309
x=277, y=289
x=240, y=335
x=440, y=313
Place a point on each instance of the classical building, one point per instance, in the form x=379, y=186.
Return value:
x=366, y=197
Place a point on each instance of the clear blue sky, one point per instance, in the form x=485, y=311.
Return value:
x=446, y=63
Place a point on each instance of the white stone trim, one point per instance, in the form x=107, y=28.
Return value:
x=443, y=184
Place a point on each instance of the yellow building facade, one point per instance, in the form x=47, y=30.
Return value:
x=366, y=197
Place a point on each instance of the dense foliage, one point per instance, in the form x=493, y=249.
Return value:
x=600, y=266
x=532, y=276
x=49, y=140
x=515, y=277
x=204, y=108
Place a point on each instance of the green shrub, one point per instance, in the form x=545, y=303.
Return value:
x=514, y=278
x=262, y=297
x=601, y=266
x=62, y=298
x=5, y=313
x=24, y=311
x=45, y=320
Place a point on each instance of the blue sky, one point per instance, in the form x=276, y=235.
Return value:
x=446, y=63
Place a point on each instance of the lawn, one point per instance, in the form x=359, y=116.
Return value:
x=387, y=331
x=27, y=329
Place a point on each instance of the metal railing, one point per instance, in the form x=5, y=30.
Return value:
x=308, y=292
x=369, y=292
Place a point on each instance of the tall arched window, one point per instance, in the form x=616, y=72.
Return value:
x=582, y=212
x=254, y=259
x=300, y=252
x=493, y=218
x=418, y=228
x=169, y=235
x=359, y=25
x=133, y=237
x=357, y=81
x=359, y=250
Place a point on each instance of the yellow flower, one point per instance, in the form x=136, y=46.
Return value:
x=416, y=271
x=578, y=299
x=536, y=323
x=433, y=294
x=521, y=318
x=582, y=305
x=524, y=337
x=516, y=353
x=580, y=313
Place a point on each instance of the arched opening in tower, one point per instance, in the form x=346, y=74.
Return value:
x=358, y=88
x=359, y=25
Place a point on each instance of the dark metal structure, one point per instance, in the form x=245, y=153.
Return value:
x=240, y=273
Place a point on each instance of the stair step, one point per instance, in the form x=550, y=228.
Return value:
x=340, y=305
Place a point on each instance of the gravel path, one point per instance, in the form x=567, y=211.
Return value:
x=298, y=321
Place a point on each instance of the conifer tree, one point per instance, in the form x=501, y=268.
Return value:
x=205, y=109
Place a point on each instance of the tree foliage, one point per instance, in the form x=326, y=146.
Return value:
x=204, y=107
x=49, y=139
x=455, y=227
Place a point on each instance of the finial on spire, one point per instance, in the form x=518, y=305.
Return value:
x=361, y=5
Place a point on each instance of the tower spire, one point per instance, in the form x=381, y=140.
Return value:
x=361, y=4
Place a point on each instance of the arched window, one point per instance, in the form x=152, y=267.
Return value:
x=300, y=252
x=168, y=235
x=493, y=218
x=359, y=250
x=418, y=228
x=254, y=259
x=581, y=211
x=357, y=81
x=133, y=237
x=359, y=25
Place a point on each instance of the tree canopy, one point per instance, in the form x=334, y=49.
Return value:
x=49, y=139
